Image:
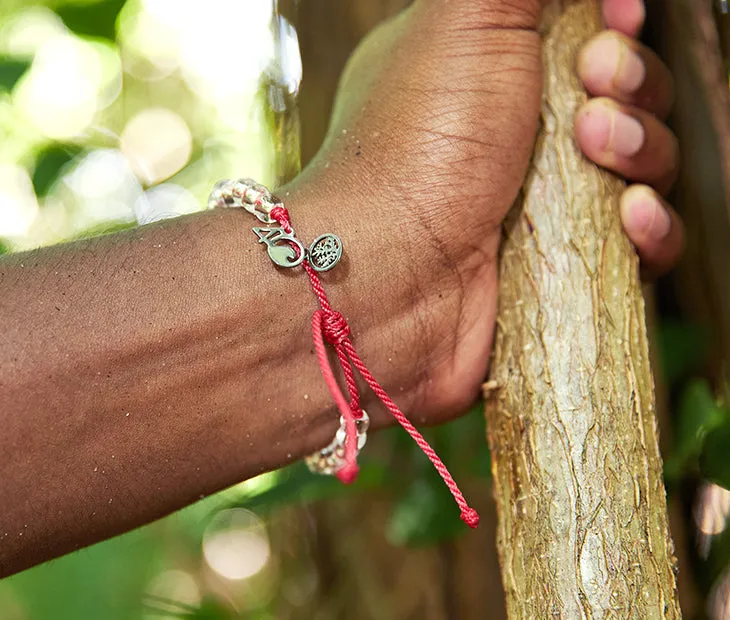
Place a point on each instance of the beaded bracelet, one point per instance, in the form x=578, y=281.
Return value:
x=286, y=250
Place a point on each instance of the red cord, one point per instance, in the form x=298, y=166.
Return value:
x=331, y=326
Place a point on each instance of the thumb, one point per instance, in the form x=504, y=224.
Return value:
x=479, y=14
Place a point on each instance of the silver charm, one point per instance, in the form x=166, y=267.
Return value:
x=284, y=249
x=330, y=459
x=325, y=252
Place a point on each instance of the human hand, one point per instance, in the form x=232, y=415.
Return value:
x=429, y=145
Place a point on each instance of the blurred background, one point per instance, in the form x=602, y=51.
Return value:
x=118, y=113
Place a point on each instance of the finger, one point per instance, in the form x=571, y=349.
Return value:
x=613, y=65
x=628, y=141
x=654, y=228
x=626, y=16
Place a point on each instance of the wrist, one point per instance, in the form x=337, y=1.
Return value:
x=370, y=285
x=400, y=290
x=329, y=326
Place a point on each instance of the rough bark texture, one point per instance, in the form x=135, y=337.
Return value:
x=583, y=529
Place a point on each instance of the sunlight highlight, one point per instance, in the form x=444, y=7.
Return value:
x=158, y=143
x=18, y=204
x=235, y=544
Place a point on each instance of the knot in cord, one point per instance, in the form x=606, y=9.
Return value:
x=470, y=517
x=348, y=473
x=281, y=215
x=335, y=328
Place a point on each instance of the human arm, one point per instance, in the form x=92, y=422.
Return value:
x=213, y=366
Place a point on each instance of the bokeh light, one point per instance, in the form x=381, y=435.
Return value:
x=69, y=81
x=718, y=601
x=236, y=545
x=26, y=31
x=18, y=204
x=104, y=189
x=158, y=143
x=176, y=96
x=163, y=202
x=711, y=511
x=149, y=46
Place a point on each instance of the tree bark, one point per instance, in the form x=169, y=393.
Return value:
x=583, y=529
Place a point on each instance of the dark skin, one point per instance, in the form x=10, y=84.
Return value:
x=143, y=370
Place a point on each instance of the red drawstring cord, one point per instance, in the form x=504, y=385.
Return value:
x=331, y=326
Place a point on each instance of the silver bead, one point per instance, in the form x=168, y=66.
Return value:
x=221, y=195
x=330, y=459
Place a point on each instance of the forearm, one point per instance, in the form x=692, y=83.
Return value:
x=143, y=370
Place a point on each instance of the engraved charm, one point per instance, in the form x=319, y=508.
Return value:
x=325, y=252
x=284, y=249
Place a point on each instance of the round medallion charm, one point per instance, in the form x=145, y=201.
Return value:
x=325, y=252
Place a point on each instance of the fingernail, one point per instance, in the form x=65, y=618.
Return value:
x=606, y=128
x=607, y=62
x=644, y=215
x=627, y=134
x=631, y=71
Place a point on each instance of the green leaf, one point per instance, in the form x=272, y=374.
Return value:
x=210, y=609
x=98, y=19
x=104, y=581
x=698, y=414
x=425, y=515
x=683, y=347
x=714, y=462
x=299, y=485
x=50, y=163
x=11, y=70
x=462, y=444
